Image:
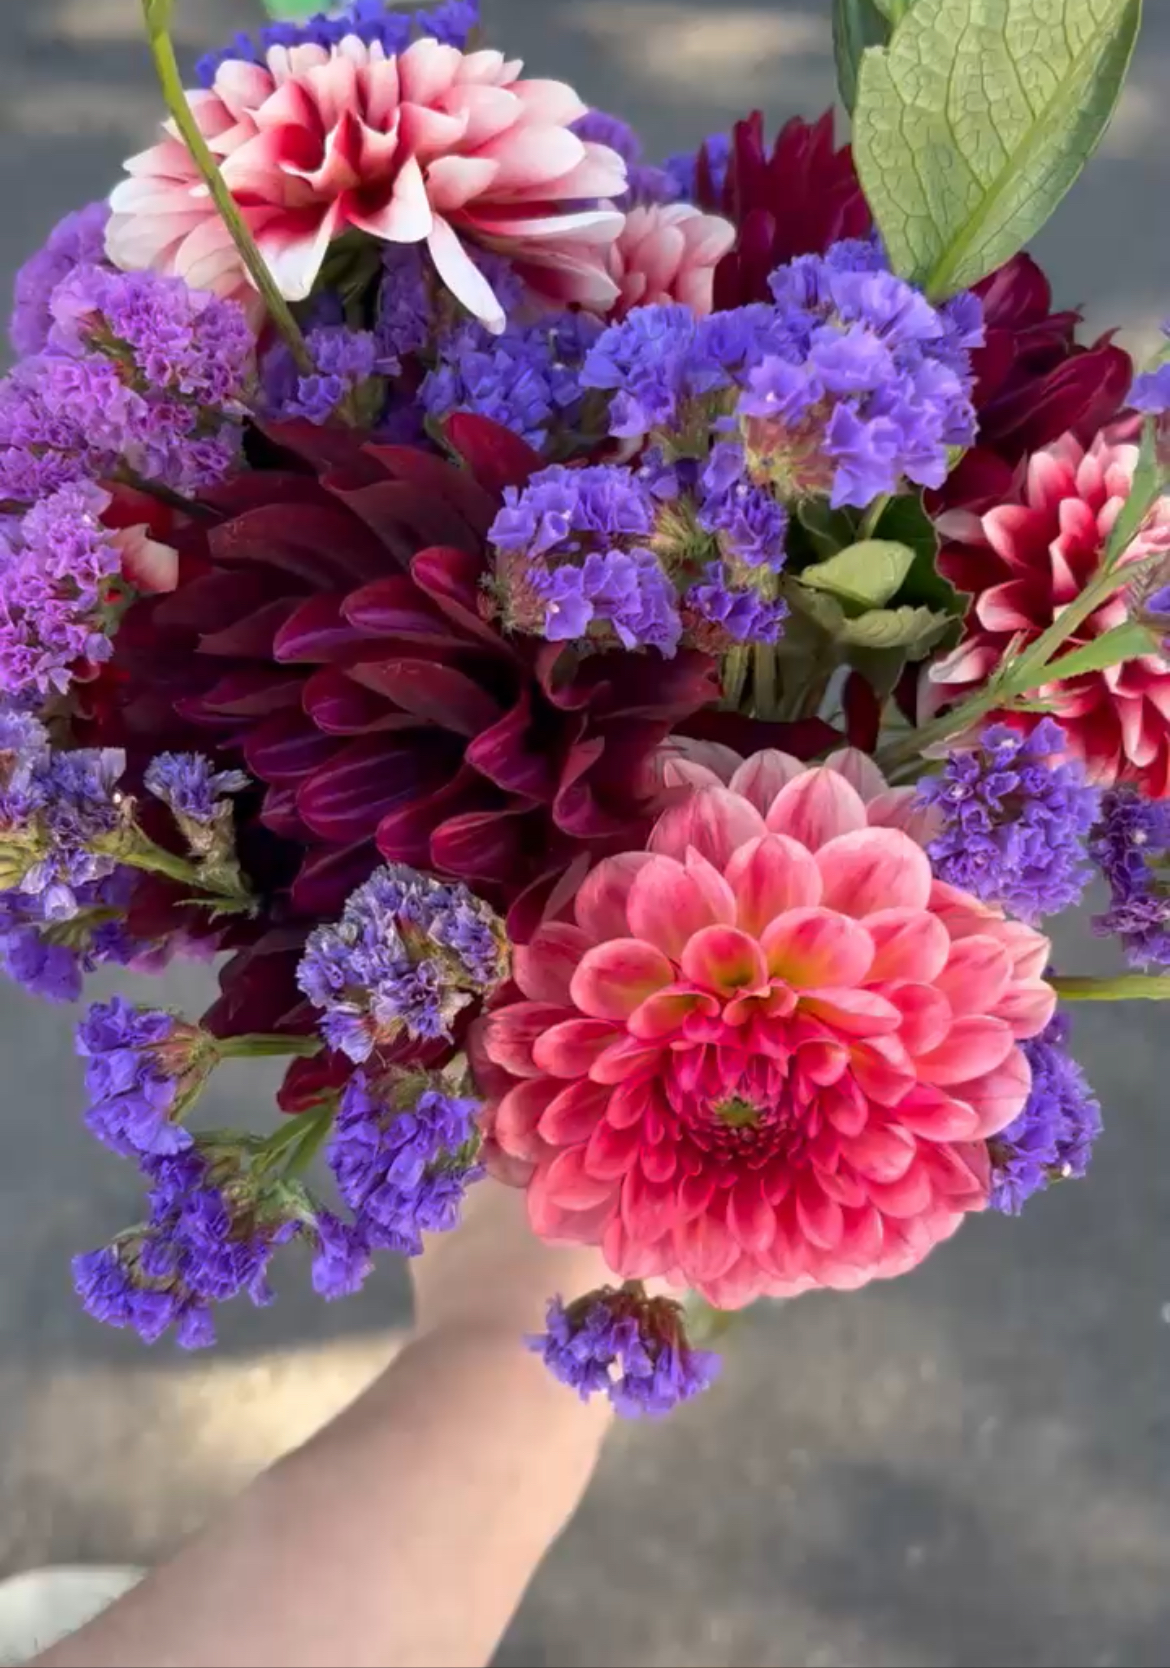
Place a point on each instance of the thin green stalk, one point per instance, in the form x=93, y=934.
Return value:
x=158, y=19
x=165, y=495
x=872, y=516
x=256, y=1046
x=1132, y=987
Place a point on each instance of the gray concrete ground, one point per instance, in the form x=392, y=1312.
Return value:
x=967, y=1467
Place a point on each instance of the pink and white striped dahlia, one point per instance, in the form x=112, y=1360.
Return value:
x=434, y=145
x=668, y=252
x=768, y=1052
x=1023, y=561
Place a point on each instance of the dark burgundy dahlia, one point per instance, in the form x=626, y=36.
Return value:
x=329, y=633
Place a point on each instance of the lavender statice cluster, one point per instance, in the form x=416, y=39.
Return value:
x=849, y=383
x=77, y=241
x=143, y=1068
x=403, y=1153
x=408, y=954
x=1130, y=842
x=215, y=1221
x=141, y=377
x=1015, y=821
x=451, y=21
x=50, y=958
x=344, y=384
x=626, y=1346
x=1052, y=1139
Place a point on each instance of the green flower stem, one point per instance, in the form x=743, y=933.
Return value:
x=165, y=495
x=869, y=521
x=158, y=20
x=1132, y=987
x=256, y=1046
x=155, y=859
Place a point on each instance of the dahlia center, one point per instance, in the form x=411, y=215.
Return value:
x=737, y=1113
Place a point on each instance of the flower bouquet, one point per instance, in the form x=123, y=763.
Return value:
x=618, y=661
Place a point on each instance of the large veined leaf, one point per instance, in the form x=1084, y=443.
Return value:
x=973, y=122
x=867, y=574
x=856, y=25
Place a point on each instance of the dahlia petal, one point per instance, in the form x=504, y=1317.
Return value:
x=294, y=248
x=544, y=967
x=629, y=1103
x=515, y=1119
x=635, y=1259
x=718, y=894
x=750, y=1216
x=567, y=1182
x=907, y=944
x=570, y=1048
x=571, y=1116
x=907, y=1197
x=936, y=1116
x=845, y=1107
x=902, y=808
x=977, y=974
x=622, y=1059
x=874, y=869
x=600, y=905
x=647, y=1209
x=549, y=102
x=427, y=69
x=726, y=960
x=535, y=156
x=428, y=133
x=714, y=820
x=882, y=1154
x=742, y=1283
x=860, y=1013
x=664, y=1013
x=612, y=1151
x=760, y=778
x=462, y=277
x=705, y=1247
x=816, y=807
x=926, y=1015
x=999, y=1095
x=615, y=977
x=453, y=181
x=508, y=1035
x=820, y=1218
x=859, y=771
x=658, y=1162
x=880, y=1076
x=488, y=111
x=1027, y=1007
x=974, y=1046
x=666, y=905
x=812, y=947
x=769, y=875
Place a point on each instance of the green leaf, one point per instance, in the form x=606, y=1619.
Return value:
x=867, y=574
x=893, y=10
x=828, y=530
x=1124, y=642
x=292, y=8
x=914, y=629
x=1147, y=487
x=973, y=122
x=905, y=520
x=881, y=668
x=856, y=25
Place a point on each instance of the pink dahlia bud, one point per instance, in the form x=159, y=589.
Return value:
x=1023, y=561
x=433, y=145
x=669, y=252
x=769, y=1053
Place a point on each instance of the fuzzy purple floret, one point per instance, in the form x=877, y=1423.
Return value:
x=1052, y=1139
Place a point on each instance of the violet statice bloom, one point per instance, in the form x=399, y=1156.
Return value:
x=1150, y=393
x=626, y=1346
x=569, y=510
x=143, y=1069
x=626, y=590
x=55, y=819
x=346, y=363
x=190, y=786
x=647, y=183
x=1015, y=822
x=406, y=311
x=527, y=380
x=1130, y=841
x=78, y=240
x=56, y=571
x=1052, y=1139
x=682, y=169
x=451, y=21
x=53, y=967
x=742, y=614
x=403, y=1158
x=751, y=525
x=407, y=955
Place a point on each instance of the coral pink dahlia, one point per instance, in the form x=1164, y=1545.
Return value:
x=1023, y=561
x=669, y=252
x=434, y=145
x=768, y=1052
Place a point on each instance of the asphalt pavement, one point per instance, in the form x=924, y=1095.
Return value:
x=969, y=1466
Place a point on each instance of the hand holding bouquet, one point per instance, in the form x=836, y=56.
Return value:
x=620, y=661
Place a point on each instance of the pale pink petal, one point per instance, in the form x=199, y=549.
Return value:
x=548, y=103
x=615, y=977
x=462, y=277
x=975, y=1046
x=908, y=944
x=816, y=807
x=151, y=567
x=976, y=975
x=1027, y=1007
x=999, y=1095
x=427, y=69
x=514, y=1122
x=531, y=156
x=859, y=771
x=294, y=248
x=761, y=777
x=666, y=905
x=600, y=905
x=544, y=967
x=812, y=947
x=453, y=181
x=858, y=1013
x=570, y=1048
x=717, y=892
x=724, y=959
x=769, y=875
x=572, y=1116
x=508, y=1035
x=874, y=869
x=902, y=808
x=714, y=820
x=406, y=217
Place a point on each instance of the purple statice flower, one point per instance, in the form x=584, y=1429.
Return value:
x=1128, y=845
x=736, y=611
x=78, y=240
x=56, y=822
x=408, y=953
x=406, y=318
x=750, y=523
x=56, y=572
x=52, y=963
x=627, y=1346
x=403, y=1154
x=626, y=590
x=1014, y=822
x=527, y=379
x=452, y=22
x=62, y=420
x=566, y=510
x=346, y=364
x=143, y=1069
x=342, y=1258
x=190, y=786
x=1052, y=1139
x=682, y=169
x=647, y=184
